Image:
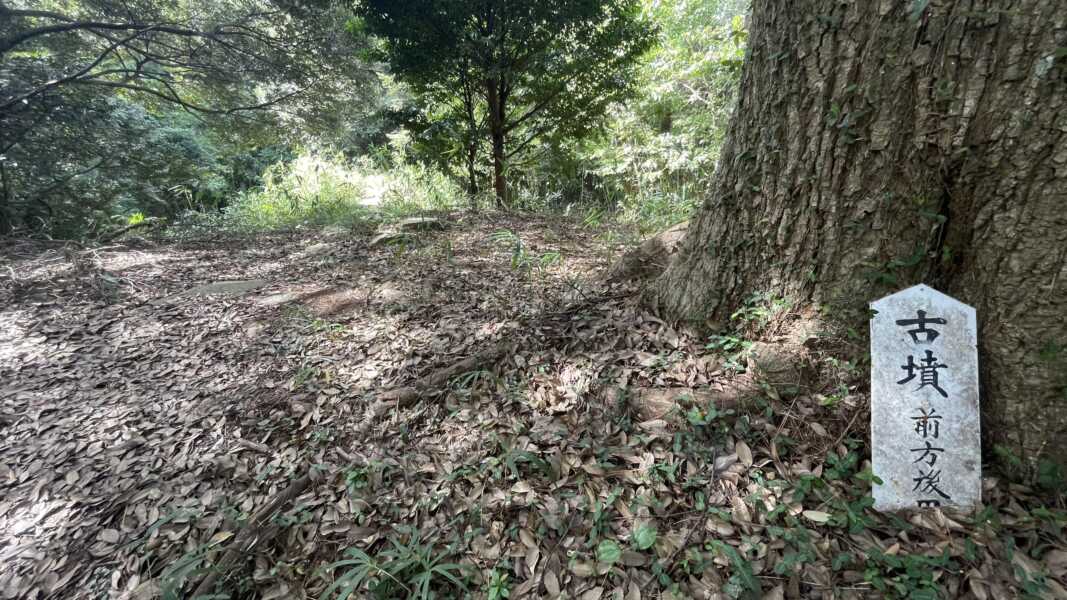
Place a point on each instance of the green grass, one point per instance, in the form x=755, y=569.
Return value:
x=316, y=191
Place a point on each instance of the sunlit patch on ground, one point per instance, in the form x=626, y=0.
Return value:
x=149, y=419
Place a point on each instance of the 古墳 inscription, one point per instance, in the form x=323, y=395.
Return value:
x=925, y=435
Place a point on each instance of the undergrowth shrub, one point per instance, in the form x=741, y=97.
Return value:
x=414, y=187
x=311, y=190
x=316, y=190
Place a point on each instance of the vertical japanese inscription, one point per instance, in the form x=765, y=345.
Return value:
x=924, y=401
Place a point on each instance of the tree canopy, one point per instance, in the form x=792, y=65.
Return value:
x=87, y=83
x=535, y=70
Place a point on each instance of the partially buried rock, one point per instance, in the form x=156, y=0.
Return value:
x=671, y=404
x=420, y=224
x=779, y=365
x=390, y=237
x=231, y=288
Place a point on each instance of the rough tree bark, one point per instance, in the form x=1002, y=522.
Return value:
x=877, y=144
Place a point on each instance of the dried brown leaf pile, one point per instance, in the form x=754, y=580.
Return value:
x=144, y=426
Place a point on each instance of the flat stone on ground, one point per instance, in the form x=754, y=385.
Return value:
x=420, y=224
x=279, y=299
x=229, y=288
x=389, y=237
x=316, y=250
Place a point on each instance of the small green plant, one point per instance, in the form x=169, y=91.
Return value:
x=602, y=511
x=644, y=536
x=593, y=218
x=834, y=398
x=521, y=259
x=303, y=375
x=508, y=239
x=466, y=382
x=512, y=462
x=187, y=568
x=800, y=549
x=410, y=567
x=909, y=576
x=549, y=259
x=732, y=348
x=366, y=477
x=498, y=586
x=742, y=582
x=759, y=308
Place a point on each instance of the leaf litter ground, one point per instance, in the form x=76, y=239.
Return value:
x=157, y=397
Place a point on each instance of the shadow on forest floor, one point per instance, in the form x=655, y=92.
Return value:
x=143, y=428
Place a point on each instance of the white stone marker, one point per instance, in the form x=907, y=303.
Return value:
x=925, y=437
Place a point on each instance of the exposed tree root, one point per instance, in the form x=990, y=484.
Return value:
x=406, y=396
x=253, y=533
x=402, y=397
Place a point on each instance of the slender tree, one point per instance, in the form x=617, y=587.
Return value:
x=880, y=144
x=543, y=67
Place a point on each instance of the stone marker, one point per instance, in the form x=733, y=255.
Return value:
x=229, y=288
x=925, y=437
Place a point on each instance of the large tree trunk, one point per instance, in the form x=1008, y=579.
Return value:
x=874, y=147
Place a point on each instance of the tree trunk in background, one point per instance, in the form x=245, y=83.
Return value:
x=470, y=93
x=499, y=183
x=873, y=148
x=6, y=214
x=472, y=174
x=496, y=99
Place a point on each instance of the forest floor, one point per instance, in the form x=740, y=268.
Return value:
x=161, y=429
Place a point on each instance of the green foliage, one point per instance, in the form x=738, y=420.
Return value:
x=1051, y=476
x=636, y=136
x=498, y=586
x=316, y=190
x=521, y=260
x=410, y=567
x=733, y=349
x=608, y=552
x=188, y=568
x=758, y=310
x=742, y=582
x=512, y=462
x=153, y=113
x=906, y=575
x=644, y=536
x=510, y=74
x=653, y=162
x=308, y=191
